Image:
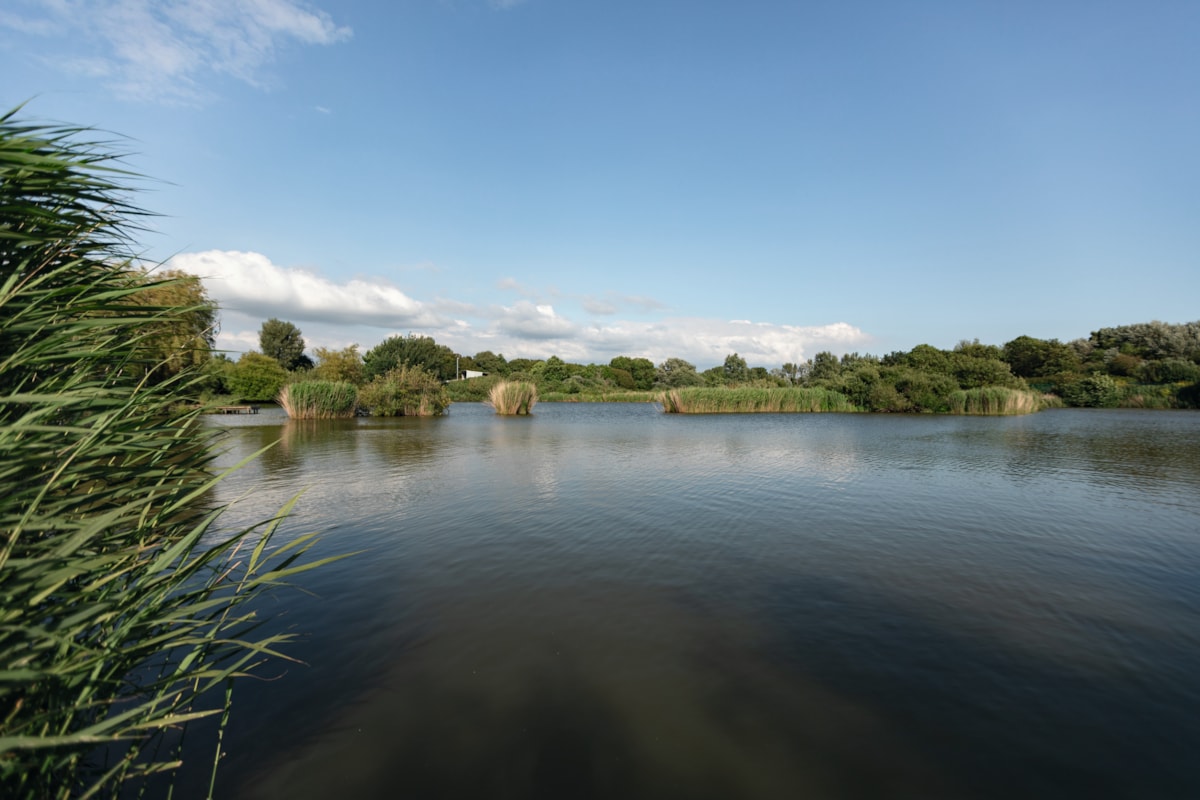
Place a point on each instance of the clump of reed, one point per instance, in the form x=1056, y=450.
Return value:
x=319, y=400
x=510, y=398
x=995, y=401
x=751, y=400
x=406, y=391
x=615, y=396
x=120, y=617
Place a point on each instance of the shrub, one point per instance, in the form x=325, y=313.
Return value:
x=404, y=391
x=319, y=400
x=118, y=617
x=256, y=377
x=1095, y=391
x=513, y=397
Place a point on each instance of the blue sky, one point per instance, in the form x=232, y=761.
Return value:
x=650, y=178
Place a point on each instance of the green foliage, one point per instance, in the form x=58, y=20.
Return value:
x=118, y=614
x=1150, y=340
x=640, y=369
x=185, y=332
x=511, y=398
x=256, y=378
x=319, y=399
x=282, y=341
x=825, y=366
x=1094, y=391
x=1034, y=358
x=404, y=391
x=413, y=350
x=1171, y=370
x=735, y=370
x=491, y=363
x=472, y=390
x=676, y=373
x=339, y=365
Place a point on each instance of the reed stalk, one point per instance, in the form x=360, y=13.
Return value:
x=995, y=401
x=119, y=621
x=750, y=400
x=319, y=400
x=511, y=398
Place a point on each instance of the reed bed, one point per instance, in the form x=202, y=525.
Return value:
x=511, y=398
x=995, y=401
x=121, y=622
x=319, y=400
x=622, y=396
x=754, y=400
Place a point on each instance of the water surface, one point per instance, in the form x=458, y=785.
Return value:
x=606, y=601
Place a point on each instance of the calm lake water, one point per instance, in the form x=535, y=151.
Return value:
x=603, y=601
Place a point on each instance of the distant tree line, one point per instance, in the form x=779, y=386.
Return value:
x=1154, y=364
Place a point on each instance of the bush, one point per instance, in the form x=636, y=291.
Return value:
x=118, y=616
x=256, y=377
x=404, y=392
x=1095, y=391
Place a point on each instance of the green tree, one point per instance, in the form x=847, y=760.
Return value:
x=411, y=351
x=734, y=369
x=185, y=327
x=675, y=373
x=339, y=365
x=282, y=341
x=824, y=367
x=256, y=377
x=491, y=363
x=641, y=369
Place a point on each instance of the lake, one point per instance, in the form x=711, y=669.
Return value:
x=604, y=601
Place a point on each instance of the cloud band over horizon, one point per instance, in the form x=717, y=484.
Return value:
x=249, y=288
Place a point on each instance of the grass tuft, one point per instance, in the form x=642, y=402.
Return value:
x=511, y=398
x=319, y=400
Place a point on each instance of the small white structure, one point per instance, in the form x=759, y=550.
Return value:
x=470, y=373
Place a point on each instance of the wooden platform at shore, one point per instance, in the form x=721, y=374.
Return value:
x=235, y=410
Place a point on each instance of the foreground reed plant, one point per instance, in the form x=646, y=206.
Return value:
x=119, y=622
x=704, y=400
x=995, y=401
x=511, y=398
x=319, y=400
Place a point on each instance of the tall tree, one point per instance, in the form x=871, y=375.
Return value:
x=282, y=341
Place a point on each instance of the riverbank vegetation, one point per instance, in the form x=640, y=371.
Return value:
x=404, y=391
x=748, y=399
x=511, y=398
x=120, y=619
x=1147, y=365
x=319, y=400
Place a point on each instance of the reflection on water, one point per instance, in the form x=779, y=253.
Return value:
x=605, y=601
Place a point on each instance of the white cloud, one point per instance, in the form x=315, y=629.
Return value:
x=250, y=284
x=150, y=50
x=250, y=288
